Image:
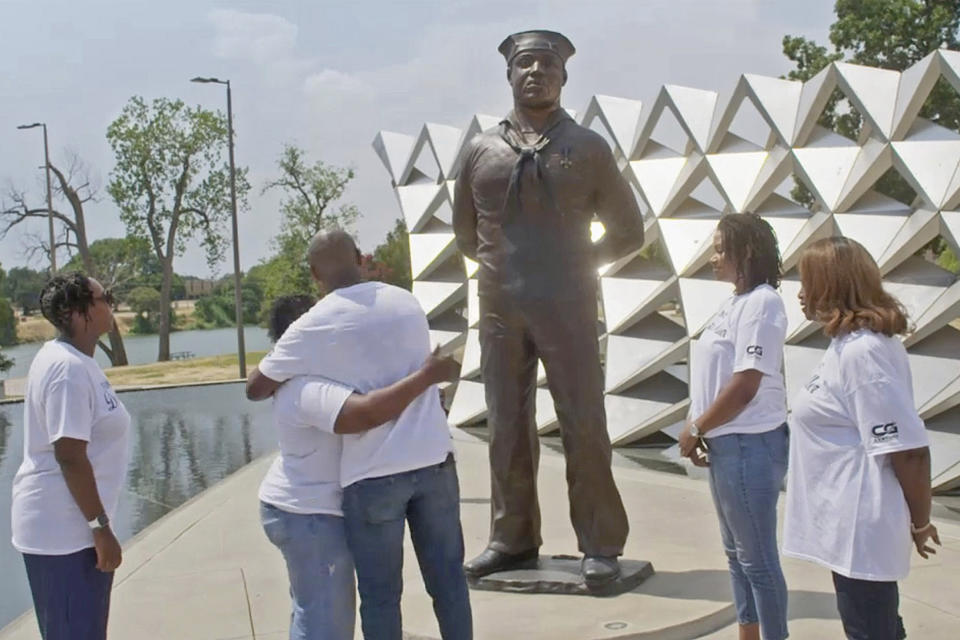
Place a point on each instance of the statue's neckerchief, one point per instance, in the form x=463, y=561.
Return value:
x=511, y=205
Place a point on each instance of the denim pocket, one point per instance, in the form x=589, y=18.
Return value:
x=377, y=500
x=274, y=524
x=777, y=444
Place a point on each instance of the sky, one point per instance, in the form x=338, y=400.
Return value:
x=327, y=75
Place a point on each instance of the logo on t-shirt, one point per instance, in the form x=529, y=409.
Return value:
x=755, y=350
x=108, y=397
x=885, y=432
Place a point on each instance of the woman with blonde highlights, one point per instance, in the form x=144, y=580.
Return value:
x=858, y=488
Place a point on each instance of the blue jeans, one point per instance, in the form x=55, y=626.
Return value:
x=746, y=474
x=375, y=511
x=70, y=595
x=868, y=609
x=322, y=590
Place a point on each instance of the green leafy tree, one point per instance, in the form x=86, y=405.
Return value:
x=145, y=303
x=217, y=309
x=394, y=255
x=22, y=287
x=311, y=195
x=119, y=264
x=172, y=185
x=889, y=34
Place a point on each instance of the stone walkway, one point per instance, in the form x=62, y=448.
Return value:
x=207, y=572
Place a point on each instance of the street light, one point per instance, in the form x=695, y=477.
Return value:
x=46, y=159
x=241, y=349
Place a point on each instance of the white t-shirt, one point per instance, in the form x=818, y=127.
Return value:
x=746, y=333
x=845, y=509
x=305, y=477
x=368, y=336
x=67, y=396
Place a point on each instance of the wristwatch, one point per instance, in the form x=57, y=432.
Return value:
x=695, y=430
x=100, y=522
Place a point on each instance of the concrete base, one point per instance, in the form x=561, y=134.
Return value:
x=561, y=574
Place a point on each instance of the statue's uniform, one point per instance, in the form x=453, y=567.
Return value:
x=524, y=213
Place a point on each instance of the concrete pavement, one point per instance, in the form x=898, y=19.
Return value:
x=206, y=571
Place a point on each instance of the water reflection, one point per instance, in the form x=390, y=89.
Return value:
x=182, y=442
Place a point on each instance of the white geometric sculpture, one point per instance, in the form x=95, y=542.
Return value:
x=690, y=162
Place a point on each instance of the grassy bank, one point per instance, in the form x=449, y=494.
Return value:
x=209, y=369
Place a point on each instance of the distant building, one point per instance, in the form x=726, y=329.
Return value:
x=197, y=287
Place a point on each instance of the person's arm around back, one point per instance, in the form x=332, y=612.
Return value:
x=362, y=412
x=259, y=386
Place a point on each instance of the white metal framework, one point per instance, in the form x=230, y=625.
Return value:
x=692, y=157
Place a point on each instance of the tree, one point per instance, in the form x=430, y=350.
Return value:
x=76, y=187
x=118, y=263
x=171, y=184
x=145, y=303
x=8, y=321
x=311, y=193
x=889, y=34
x=394, y=255
x=22, y=287
x=217, y=309
x=5, y=362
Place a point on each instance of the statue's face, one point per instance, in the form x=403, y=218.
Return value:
x=537, y=78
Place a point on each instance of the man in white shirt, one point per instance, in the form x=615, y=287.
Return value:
x=367, y=335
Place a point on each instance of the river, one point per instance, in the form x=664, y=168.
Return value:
x=182, y=441
x=143, y=349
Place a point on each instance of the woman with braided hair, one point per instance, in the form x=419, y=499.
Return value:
x=738, y=411
x=74, y=465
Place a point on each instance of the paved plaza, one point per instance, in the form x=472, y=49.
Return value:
x=207, y=572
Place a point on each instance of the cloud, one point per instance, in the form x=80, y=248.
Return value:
x=331, y=81
x=266, y=40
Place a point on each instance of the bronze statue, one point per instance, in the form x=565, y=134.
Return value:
x=525, y=197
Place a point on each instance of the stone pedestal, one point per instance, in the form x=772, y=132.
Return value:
x=560, y=574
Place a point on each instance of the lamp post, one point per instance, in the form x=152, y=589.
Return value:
x=238, y=300
x=46, y=165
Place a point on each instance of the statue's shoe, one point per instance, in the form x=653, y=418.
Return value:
x=599, y=571
x=493, y=561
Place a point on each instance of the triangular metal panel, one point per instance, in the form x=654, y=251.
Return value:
x=473, y=302
x=417, y=202
x=798, y=327
x=469, y=404
x=736, y=174
x=872, y=162
x=437, y=297
x=778, y=101
x=814, y=96
x=776, y=168
x=685, y=239
x=918, y=284
x=631, y=360
x=627, y=299
x=928, y=166
x=826, y=170
x=656, y=177
x=470, y=367
x=393, y=150
x=428, y=251
x=941, y=312
x=934, y=365
x=445, y=142
x=694, y=109
x=546, y=412
x=916, y=82
x=921, y=227
x=621, y=118
x=700, y=299
x=873, y=91
x=874, y=231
